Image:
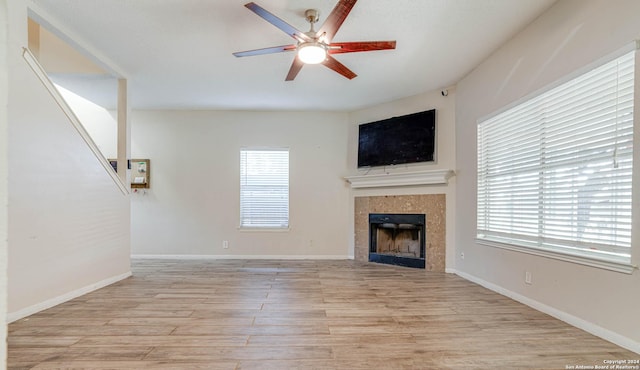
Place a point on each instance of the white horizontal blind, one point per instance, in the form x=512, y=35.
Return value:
x=264, y=188
x=554, y=172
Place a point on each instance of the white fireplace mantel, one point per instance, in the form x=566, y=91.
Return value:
x=430, y=177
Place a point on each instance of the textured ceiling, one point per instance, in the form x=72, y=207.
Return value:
x=177, y=54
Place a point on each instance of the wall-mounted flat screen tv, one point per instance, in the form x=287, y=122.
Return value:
x=398, y=140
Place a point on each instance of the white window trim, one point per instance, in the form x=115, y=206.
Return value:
x=600, y=262
x=611, y=265
x=268, y=229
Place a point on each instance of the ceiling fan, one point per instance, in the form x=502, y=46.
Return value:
x=316, y=47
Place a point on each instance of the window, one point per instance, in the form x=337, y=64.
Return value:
x=264, y=189
x=554, y=172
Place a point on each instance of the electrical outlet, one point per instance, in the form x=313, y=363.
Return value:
x=461, y=255
x=527, y=277
x=225, y=244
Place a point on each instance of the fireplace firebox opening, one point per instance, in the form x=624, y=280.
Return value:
x=397, y=239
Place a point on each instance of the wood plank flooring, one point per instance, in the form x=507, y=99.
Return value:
x=248, y=314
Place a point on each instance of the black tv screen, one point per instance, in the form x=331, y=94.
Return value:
x=398, y=140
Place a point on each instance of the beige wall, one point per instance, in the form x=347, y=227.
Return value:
x=56, y=56
x=193, y=202
x=68, y=221
x=4, y=44
x=192, y=205
x=572, y=34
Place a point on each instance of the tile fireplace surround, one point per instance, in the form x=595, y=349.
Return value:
x=432, y=205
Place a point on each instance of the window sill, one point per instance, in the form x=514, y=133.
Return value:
x=617, y=266
x=264, y=229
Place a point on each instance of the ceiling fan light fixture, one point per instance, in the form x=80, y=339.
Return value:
x=315, y=47
x=312, y=52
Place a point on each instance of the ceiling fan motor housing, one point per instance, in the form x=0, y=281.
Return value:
x=312, y=15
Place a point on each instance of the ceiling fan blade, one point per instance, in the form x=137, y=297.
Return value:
x=282, y=25
x=271, y=50
x=296, y=66
x=333, y=22
x=354, y=47
x=332, y=63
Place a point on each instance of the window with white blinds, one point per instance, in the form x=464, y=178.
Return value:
x=264, y=188
x=554, y=172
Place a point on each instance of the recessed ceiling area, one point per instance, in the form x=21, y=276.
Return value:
x=178, y=54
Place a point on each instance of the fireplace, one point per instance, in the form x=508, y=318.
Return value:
x=434, y=206
x=397, y=239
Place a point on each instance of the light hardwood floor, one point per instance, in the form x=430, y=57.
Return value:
x=247, y=314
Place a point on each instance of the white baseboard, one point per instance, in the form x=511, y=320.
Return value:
x=237, y=257
x=579, y=323
x=17, y=315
